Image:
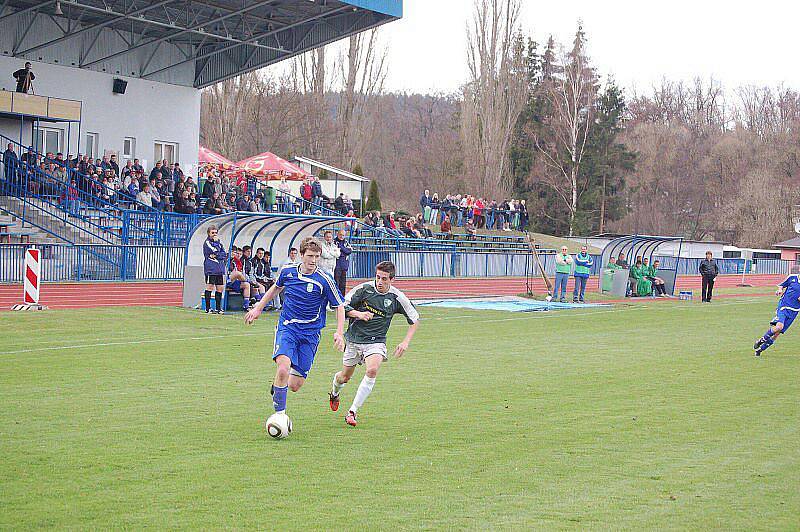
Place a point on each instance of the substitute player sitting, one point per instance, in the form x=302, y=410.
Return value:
x=307, y=292
x=788, y=307
x=371, y=307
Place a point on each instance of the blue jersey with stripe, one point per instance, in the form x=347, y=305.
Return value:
x=306, y=297
x=791, y=297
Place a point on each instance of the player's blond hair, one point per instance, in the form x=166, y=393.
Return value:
x=310, y=243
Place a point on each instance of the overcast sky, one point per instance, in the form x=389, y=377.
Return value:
x=639, y=42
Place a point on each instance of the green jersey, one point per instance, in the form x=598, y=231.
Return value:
x=366, y=298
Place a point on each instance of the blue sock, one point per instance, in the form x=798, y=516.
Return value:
x=279, y=398
x=766, y=344
x=768, y=335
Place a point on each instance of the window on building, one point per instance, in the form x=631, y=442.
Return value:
x=49, y=140
x=90, y=147
x=128, y=148
x=165, y=150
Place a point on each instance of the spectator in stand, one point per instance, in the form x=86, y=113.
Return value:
x=177, y=173
x=237, y=281
x=214, y=269
x=392, y=226
x=408, y=228
x=330, y=253
x=144, y=198
x=463, y=205
x=127, y=171
x=114, y=165
x=228, y=202
x=477, y=213
x=105, y=164
x=342, y=262
x=316, y=191
x=425, y=201
x=523, y=215
x=246, y=204
x=137, y=166
x=306, y=192
x=155, y=195
x=469, y=229
x=133, y=189
x=348, y=204
x=10, y=163
x=371, y=219
x=165, y=168
x=108, y=194
x=446, y=227
x=213, y=205
x=563, y=269
x=285, y=197
x=583, y=266
x=70, y=198
x=435, y=206
x=444, y=208
x=191, y=186
x=491, y=213
x=338, y=204
x=709, y=271
x=181, y=203
x=419, y=227
x=208, y=187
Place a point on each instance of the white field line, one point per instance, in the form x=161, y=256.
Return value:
x=524, y=316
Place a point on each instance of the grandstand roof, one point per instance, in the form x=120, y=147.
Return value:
x=184, y=42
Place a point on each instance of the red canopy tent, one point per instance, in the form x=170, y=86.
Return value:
x=269, y=164
x=206, y=156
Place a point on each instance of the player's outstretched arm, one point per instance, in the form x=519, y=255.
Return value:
x=253, y=314
x=402, y=347
x=338, y=336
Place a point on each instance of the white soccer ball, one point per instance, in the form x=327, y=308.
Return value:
x=279, y=426
x=549, y=298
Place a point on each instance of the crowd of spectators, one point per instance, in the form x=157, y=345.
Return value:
x=460, y=211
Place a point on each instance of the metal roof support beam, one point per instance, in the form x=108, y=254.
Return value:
x=251, y=41
x=99, y=26
x=192, y=29
x=36, y=7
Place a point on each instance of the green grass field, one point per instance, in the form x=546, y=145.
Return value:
x=644, y=416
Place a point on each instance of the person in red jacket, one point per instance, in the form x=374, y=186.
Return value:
x=477, y=213
x=307, y=193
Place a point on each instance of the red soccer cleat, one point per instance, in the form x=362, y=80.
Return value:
x=350, y=419
x=334, y=401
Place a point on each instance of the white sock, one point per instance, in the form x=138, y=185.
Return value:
x=337, y=387
x=363, y=392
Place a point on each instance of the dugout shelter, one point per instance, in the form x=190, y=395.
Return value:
x=633, y=246
x=274, y=232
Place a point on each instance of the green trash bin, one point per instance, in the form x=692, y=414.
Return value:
x=608, y=280
x=427, y=214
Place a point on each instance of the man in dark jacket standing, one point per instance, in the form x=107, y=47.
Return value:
x=342, y=262
x=10, y=165
x=709, y=271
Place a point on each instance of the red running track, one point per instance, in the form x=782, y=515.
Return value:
x=109, y=294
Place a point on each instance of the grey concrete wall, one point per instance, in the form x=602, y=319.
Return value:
x=148, y=111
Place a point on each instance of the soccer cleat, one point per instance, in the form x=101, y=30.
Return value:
x=350, y=419
x=758, y=344
x=334, y=401
x=758, y=352
x=208, y=311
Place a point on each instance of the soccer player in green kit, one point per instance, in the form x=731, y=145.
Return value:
x=371, y=307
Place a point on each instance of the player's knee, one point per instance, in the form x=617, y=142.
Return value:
x=294, y=386
x=372, y=372
x=282, y=373
x=778, y=327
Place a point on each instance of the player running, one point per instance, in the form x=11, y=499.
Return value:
x=788, y=307
x=371, y=307
x=308, y=291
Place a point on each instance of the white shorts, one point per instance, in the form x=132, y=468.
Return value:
x=355, y=354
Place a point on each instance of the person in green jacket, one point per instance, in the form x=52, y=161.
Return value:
x=650, y=273
x=269, y=199
x=643, y=286
x=563, y=269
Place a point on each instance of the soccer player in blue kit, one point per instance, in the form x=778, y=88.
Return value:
x=788, y=307
x=307, y=292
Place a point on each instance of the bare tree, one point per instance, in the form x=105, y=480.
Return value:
x=363, y=72
x=494, y=95
x=569, y=95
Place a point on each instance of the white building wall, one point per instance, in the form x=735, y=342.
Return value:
x=148, y=111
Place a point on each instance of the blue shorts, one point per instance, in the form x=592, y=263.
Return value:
x=236, y=286
x=301, y=348
x=785, y=316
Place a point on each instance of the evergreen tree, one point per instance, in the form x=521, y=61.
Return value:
x=358, y=171
x=373, y=199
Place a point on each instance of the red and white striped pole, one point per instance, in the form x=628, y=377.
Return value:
x=33, y=271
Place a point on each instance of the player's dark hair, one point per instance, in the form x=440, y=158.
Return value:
x=310, y=243
x=246, y=248
x=261, y=249
x=327, y=232
x=292, y=249
x=387, y=266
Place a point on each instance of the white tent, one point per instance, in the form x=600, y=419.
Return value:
x=273, y=232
